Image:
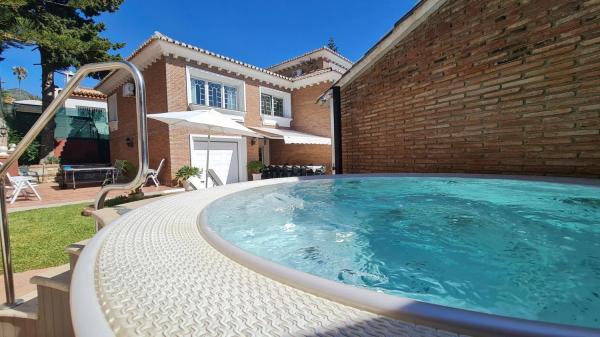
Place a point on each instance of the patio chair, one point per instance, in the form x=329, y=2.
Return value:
x=214, y=177
x=21, y=184
x=276, y=172
x=303, y=170
x=153, y=174
x=267, y=172
x=295, y=171
x=25, y=172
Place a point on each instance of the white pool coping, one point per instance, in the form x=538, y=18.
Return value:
x=154, y=271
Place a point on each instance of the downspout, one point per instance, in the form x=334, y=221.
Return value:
x=337, y=130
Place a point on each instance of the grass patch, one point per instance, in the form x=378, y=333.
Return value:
x=38, y=237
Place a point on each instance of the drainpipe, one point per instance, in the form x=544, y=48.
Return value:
x=337, y=130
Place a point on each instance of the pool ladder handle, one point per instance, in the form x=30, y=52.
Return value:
x=43, y=120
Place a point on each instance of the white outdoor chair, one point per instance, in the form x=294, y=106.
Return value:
x=20, y=184
x=153, y=174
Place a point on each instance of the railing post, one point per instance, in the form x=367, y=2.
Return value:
x=6, y=256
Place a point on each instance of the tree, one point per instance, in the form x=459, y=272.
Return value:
x=8, y=24
x=66, y=35
x=331, y=45
x=20, y=73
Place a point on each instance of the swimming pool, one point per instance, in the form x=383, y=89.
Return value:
x=516, y=248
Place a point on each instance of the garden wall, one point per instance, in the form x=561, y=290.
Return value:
x=482, y=87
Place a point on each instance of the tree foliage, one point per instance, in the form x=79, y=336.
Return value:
x=66, y=31
x=9, y=30
x=331, y=45
x=66, y=34
x=20, y=73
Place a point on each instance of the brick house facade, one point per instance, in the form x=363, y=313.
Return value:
x=481, y=87
x=171, y=70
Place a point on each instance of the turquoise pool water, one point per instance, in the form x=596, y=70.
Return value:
x=508, y=247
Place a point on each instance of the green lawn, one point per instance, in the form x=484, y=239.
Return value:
x=39, y=237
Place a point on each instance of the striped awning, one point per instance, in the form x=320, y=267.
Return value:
x=292, y=137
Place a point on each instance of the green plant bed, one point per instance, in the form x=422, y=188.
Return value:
x=39, y=237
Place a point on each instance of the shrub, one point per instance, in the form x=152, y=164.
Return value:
x=31, y=155
x=52, y=160
x=186, y=172
x=125, y=168
x=255, y=166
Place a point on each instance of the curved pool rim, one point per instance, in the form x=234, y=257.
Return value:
x=398, y=307
x=89, y=317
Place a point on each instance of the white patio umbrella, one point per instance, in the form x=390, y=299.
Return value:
x=208, y=120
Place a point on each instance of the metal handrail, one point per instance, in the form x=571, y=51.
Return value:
x=37, y=127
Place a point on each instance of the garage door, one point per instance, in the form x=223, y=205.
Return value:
x=224, y=159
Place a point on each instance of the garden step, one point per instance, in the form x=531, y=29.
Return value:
x=59, y=282
x=54, y=314
x=74, y=250
x=20, y=321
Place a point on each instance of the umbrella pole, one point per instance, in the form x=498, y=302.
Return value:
x=207, y=161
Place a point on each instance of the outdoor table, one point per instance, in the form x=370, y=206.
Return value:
x=73, y=170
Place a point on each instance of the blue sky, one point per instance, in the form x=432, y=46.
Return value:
x=258, y=32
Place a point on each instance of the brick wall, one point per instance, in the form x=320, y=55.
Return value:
x=155, y=79
x=299, y=154
x=310, y=117
x=483, y=86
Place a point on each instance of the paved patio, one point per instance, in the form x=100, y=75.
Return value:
x=53, y=195
x=22, y=284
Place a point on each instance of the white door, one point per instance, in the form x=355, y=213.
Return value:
x=224, y=159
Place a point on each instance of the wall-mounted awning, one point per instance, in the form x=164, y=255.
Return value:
x=292, y=137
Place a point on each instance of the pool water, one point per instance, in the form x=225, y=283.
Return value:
x=509, y=247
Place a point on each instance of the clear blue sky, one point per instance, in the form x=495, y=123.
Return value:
x=258, y=32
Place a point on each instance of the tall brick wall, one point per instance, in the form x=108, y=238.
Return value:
x=483, y=86
x=309, y=117
x=155, y=80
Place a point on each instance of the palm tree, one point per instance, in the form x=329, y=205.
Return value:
x=20, y=73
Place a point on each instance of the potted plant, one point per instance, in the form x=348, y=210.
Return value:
x=255, y=167
x=185, y=173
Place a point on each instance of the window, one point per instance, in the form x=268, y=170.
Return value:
x=214, y=94
x=230, y=98
x=198, y=91
x=266, y=103
x=278, y=106
x=94, y=113
x=271, y=105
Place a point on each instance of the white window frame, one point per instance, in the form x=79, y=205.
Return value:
x=207, y=77
x=269, y=118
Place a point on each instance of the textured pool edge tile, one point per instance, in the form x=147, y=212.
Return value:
x=157, y=276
